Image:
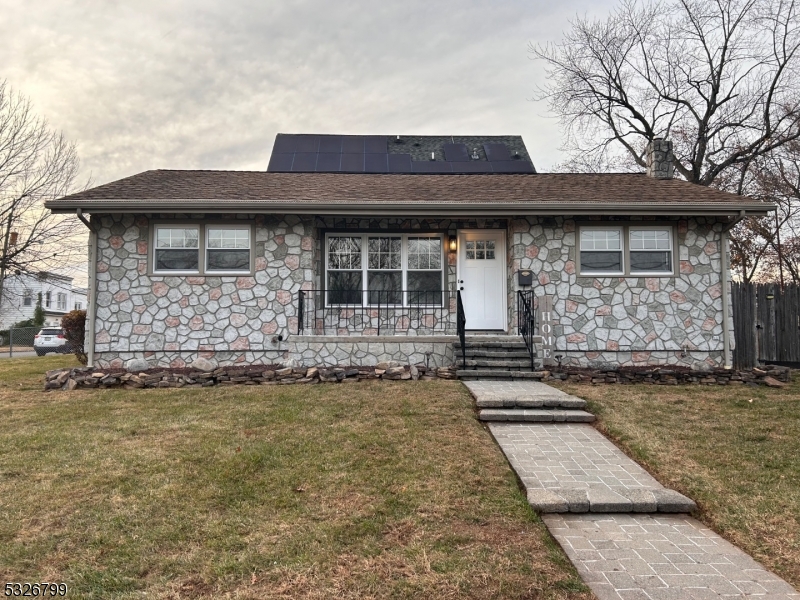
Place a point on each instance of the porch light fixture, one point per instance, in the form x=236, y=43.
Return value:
x=452, y=243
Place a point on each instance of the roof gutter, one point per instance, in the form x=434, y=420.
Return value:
x=91, y=292
x=421, y=209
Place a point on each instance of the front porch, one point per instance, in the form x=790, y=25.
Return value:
x=410, y=327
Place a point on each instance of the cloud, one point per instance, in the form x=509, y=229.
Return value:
x=208, y=84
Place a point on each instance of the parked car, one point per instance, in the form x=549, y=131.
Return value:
x=50, y=339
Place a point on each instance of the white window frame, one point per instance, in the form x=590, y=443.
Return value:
x=608, y=227
x=78, y=306
x=670, y=237
x=231, y=227
x=158, y=226
x=61, y=301
x=48, y=299
x=27, y=299
x=202, y=258
x=403, y=264
x=625, y=229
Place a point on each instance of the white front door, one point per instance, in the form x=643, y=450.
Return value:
x=482, y=277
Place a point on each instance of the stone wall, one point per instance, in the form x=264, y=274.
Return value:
x=433, y=351
x=173, y=320
x=628, y=320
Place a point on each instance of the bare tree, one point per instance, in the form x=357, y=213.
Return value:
x=776, y=239
x=36, y=164
x=717, y=77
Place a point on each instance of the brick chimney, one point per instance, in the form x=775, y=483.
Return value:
x=660, y=159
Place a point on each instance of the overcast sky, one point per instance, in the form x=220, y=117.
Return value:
x=207, y=84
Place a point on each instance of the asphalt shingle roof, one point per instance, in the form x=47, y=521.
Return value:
x=170, y=190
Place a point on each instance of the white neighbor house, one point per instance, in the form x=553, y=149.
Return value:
x=20, y=294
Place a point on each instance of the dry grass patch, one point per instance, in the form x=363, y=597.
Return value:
x=375, y=490
x=733, y=449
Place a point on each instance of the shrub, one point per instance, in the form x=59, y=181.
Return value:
x=74, y=326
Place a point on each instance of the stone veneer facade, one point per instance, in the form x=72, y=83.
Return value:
x=603, y=321
x=172, y=320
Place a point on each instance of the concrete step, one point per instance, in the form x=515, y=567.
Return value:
x=512, y=365
x=538, y=401
x=509, y=344
x=605, y=500
x=535, y=415
x=499, y=375
x=495, y=354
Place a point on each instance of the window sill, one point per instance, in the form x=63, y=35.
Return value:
x=649, y=274
x=200, y=274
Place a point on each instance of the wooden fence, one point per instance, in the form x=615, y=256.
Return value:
x=766, y=321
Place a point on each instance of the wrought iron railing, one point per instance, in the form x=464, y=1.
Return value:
x=377, y=312
x=526, y=320
x=461, y=327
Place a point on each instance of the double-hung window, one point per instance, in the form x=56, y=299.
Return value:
x=177, y=248
x=27, y=299
x=601, y=250
x=213, y=249
x=626, y=250
x=48, y=299
x=651, y=250
x=227, y=248
x=384, y=269
x=61, y=301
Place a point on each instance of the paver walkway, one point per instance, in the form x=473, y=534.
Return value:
x=661, y=557
x=643, y=554
x=572, y=467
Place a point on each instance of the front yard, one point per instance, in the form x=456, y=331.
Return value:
x=733, y=449
x=369, y=490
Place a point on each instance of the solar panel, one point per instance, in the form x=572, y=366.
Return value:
x=511, y=166
x=473, y=166
x=353, y=144
x=353, y=163
x=456, y=152
x=375, y=144
x=306, y=143
x=304, y=162
x=496, y=152
x=330, y=143
x=430, y=166
x=280, y=162
x=400, y=163
x=376, y=163
x=328, y=162
x=284, y=144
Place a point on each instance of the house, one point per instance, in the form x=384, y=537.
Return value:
x=21, y=293
x=357, y=249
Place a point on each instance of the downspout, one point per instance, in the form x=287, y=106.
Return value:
x=90, y=295
x=726, y=309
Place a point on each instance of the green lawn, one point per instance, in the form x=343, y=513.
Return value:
x=734, y=449
x=370, y=490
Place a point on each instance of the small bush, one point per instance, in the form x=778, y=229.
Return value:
x=74, y=326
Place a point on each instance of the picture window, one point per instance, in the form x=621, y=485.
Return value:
x=398, y=270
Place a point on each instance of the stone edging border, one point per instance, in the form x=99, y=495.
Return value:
x=88, y=378
x=769, y=375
